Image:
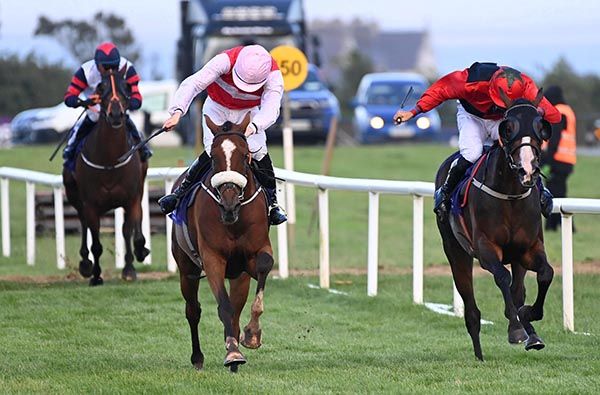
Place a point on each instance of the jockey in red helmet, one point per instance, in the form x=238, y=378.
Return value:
x=479, y=113
x=239, y=80
x=85, y=80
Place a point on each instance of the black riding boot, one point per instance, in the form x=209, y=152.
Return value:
x=84, y=129
x=145, y=151
x=266, y=177
x=194, y=172
x=546, y=201
x=442, y=194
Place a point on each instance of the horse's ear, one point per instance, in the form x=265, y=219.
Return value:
x=214, y=128
x=245, y=122
x=538, y=97
x=505, y=98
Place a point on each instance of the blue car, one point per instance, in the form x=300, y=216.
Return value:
x=312, y=106
x=377, y=99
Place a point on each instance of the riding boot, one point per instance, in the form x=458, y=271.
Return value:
x=266, y=176
x=194, y=172
x=71, y=148
x=442, y=194
x=145, y=151
x=546, y=202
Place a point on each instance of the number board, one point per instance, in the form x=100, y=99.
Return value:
x=293, y=65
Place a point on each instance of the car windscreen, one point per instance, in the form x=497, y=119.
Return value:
x=312, y=83
x=393, y=93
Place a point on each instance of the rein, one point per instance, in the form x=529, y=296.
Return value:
x=220, y=203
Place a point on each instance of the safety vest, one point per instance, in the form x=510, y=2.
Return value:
x=224, y=91
x=567, y=145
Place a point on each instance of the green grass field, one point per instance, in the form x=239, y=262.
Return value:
x=64, y=337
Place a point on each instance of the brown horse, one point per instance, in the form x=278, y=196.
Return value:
x=101, y=182
x=502, y=225
x=228, y=235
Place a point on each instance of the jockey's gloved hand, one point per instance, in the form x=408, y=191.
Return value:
x=85, y=103
x=251, y=129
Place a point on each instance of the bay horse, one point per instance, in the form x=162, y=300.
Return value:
x=227, y=232
x=101, y=182
x=501, y=224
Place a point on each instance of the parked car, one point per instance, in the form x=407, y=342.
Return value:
x=312, y=106
x=43, y=125
x=379, y=96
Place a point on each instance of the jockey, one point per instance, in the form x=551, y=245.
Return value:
x=85, y=80
x=239, y=80
x=479, y=112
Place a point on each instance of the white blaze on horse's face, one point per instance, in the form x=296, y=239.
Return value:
x=527, y=157
x=228, y=175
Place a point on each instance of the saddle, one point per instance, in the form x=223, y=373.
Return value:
x=460, y=194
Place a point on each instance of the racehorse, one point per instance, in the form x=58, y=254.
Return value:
x=501, y=224
x=102, y=182
x=227, y=231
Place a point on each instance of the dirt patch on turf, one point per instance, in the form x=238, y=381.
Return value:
x=75, y=277
x=437, y=270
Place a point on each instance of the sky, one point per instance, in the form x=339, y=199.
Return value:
x=529, y=35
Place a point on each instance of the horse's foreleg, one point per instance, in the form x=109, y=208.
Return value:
x=215, y=273
x=516, y=332
x=139, y=242
x=128, y=273
x=93, y=222
x=85, y=265
x=252, y=331
x=545, y=274
x=238, y=294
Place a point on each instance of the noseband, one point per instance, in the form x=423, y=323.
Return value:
x=230, y=179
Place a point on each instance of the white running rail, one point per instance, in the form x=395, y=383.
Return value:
x=566, y=207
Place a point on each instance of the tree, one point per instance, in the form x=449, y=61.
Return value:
x=582, y=93
x=28, y=83
x=354, y=66
x=80, y=38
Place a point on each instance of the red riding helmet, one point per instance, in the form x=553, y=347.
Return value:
x=511, y=81
x=107, y=55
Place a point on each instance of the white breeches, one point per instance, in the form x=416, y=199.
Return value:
x=257, y=143
x=474, y=133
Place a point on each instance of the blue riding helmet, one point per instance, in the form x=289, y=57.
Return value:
x=107, y=55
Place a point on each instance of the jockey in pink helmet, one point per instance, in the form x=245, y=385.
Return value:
x=240, y=80
x=85, y=80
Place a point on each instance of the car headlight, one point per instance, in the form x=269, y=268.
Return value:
x=376, y=122
x=423, y=123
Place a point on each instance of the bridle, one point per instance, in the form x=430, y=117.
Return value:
x=506, y=144
x=113, y=92
x=238, y=180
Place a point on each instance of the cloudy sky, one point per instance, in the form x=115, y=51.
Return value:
x=527, y=34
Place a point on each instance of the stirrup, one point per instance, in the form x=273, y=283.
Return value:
x=168, y=203
x=277, y=214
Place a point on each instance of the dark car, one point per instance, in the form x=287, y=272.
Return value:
x=312, y=106
x=377, y=99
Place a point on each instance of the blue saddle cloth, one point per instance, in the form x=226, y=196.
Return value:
x=70, y=163
x=179, y=215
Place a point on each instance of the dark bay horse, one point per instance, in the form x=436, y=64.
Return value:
x=227, y=226
x=101, y=182
x=501, y=225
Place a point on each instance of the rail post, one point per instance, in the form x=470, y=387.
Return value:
x=567, y=270
x=5, y=217
x=418, y=249
x=59, y=221
x=282, y=236
x=373, y=244
x=324, y=238
x=171, y=264
x=30, y=221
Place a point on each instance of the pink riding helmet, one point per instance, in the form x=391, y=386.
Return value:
x=251, y=68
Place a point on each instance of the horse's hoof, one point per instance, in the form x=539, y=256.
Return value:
x=141, y=254
x=251, y=340
x=198, y=361
x=96, y=281
x=534, y=343
x=517, y=336
x=85, y=268
x=129, y=275
x=233, y=359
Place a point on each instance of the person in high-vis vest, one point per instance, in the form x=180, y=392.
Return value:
x=239, y=80
x=560, y=151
